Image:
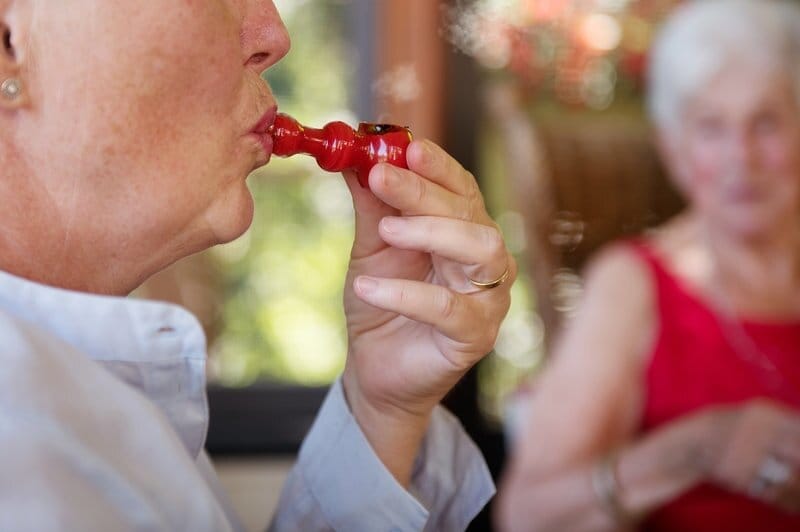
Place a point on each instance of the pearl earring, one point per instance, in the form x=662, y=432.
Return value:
x=11, y=89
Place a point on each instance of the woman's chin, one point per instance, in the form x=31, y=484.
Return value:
x=233, y=218
x=757, y=228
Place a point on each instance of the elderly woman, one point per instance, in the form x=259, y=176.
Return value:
x=127, y=130
x=672, y=402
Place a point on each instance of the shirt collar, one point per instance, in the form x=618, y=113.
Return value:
x=158, y=348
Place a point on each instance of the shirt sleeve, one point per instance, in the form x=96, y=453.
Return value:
x=340, y=484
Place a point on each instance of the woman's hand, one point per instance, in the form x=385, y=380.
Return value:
x=416, y=323
x=762, y=455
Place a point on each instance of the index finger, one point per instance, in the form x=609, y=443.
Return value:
x=433, y=163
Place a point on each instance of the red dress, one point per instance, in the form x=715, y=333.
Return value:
x=694, y=365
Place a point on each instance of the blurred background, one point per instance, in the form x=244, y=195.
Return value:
x=540, y=99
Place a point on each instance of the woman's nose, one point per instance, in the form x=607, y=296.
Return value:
x=743, y=149
x=265, y=39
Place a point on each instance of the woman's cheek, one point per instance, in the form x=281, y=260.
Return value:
x=704, y=165
x=782, y=156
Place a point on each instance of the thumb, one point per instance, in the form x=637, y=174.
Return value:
x=369, y=212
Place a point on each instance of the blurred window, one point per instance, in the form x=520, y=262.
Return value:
x=282, y=318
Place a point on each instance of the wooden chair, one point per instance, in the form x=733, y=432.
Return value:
x=579, y=180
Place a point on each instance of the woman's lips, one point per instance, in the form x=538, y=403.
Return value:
x=265, y=124
x=744, y=194
x=262, y=130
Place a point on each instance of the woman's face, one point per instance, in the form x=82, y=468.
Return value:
x=140, y=117
x=737, y=154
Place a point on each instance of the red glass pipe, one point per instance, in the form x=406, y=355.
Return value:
x=337, y=147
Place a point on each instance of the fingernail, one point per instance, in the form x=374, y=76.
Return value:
x=427, y=152
x=424, y=153
x=390, y=176
x=367, y=285
x=392, y=224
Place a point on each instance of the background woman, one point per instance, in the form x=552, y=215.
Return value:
x=674, y=395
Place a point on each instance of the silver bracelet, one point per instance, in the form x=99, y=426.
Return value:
x=607, y=490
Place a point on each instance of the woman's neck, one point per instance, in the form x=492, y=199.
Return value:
x=39, y=245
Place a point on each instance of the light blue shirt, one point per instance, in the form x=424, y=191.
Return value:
x=103, y=419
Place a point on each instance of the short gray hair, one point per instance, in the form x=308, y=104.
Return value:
x=703, y=37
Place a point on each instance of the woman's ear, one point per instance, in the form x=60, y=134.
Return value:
x=12, y=83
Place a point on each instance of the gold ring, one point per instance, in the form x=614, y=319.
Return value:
x=491, y=284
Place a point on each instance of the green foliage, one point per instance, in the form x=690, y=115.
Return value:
x=282, y=316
